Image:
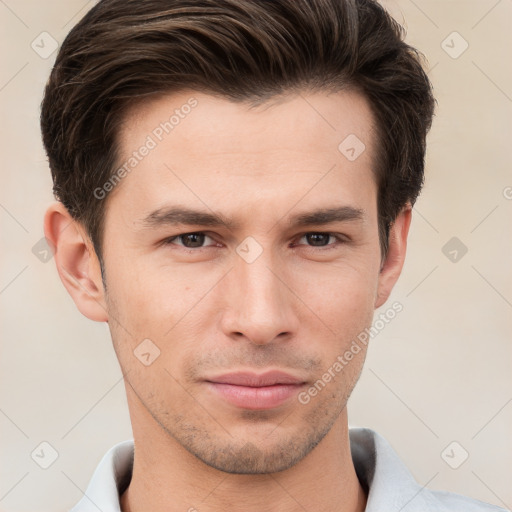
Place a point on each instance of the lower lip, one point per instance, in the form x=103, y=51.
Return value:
x=265, y=397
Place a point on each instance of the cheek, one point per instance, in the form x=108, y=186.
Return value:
x=341, y=296
x=166, y=307
x=150, y=302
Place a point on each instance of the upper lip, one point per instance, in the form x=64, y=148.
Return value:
x=250, y=379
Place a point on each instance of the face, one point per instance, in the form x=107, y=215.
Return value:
x=241, y=258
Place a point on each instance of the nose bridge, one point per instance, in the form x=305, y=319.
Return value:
x=259, y=303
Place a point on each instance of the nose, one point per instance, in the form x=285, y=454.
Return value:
x=259, y=305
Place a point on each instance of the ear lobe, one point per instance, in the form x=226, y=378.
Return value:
x=395, y=257
x=77, y=263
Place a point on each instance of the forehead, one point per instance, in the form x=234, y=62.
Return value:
x=206, y=149
x=321, y=119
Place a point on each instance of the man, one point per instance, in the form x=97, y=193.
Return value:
x=235, y=181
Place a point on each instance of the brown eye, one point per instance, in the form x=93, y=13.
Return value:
x=190, y=240
x=322, y=240
x=318, y=239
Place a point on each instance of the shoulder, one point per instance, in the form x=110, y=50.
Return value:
x=457, y=502
x=391, y=486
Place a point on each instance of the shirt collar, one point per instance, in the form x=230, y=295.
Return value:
x=390, y=485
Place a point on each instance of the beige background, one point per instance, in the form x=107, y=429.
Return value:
x=438, y=373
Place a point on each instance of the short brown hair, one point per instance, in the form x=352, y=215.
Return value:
x=244, y=50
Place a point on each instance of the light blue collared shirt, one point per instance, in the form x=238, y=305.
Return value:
x=391, y=487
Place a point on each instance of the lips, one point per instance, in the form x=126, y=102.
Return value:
x=254, y=380
x=253, y=391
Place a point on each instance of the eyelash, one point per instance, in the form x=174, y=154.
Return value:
x=340, y=239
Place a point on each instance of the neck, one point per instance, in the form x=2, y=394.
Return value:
x=166, y=477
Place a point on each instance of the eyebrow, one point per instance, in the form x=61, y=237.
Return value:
x=327, y=215
x=178, y=215
x=182, y=215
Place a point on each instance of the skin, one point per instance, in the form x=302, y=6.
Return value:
x=295, y=308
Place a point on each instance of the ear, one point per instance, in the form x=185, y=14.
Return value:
x=78, y=266
x=395, y=257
